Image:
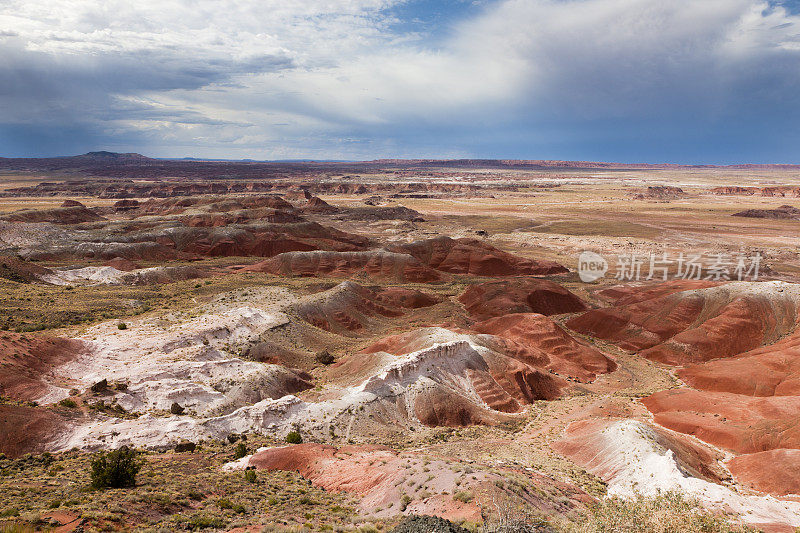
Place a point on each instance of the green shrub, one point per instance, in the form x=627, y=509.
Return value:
x=250, y=476
x=241, y=450
x=67, y=402
x=122, y=325
x=293, y=437
x=115, y=469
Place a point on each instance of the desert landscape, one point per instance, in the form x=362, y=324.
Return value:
x=325, y=346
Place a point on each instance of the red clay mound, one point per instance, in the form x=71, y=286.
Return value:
x=639, y=292
x=121, y=264
x=376, y=264
x=208, y=220
x=693, y=326
x=523, y=295
x=59, y=215
x=318, y=205
x=772, y=370
x=471, y=256
x=538, y=341
x=774, y=471
x=71, y=203
x=349, y=307
x=15, y=269
x=254, y=240
x=213, y=204
x=24, y=359
x=27, y=429
x=405, y=298
x=739, y=423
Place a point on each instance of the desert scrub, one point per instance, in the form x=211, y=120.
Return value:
x=463, y=496
x=293, y=437
x=668, y=511
x=241, y=451
x=115, y=469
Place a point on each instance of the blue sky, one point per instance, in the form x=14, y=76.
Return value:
x=686, y=81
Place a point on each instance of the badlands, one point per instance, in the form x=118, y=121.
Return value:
x=339, y=346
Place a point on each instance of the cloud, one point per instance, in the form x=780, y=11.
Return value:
x=607, y=79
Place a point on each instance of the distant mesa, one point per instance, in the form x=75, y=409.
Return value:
x=661, y=193
x=787, y=212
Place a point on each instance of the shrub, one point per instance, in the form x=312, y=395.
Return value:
x=100, y=386
x=293, y=437
x=122, y=325
x=324, y=357
x=241, y=450
x=176, y=409
x=115, y=469
x=67, y=402
x=463, y=496
x=405, y=499
x=250, y=476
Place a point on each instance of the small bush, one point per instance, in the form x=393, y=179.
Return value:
x=241, y=450
x=324, y=357
x=67, y=402
x=405, y=499
x=293, y=437
x=122, y=325
x=176, y=409
x=100, y=386
x=250, y=476
x=463, y=496
x=115, y=469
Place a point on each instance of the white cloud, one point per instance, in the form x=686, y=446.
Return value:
x=333, y=78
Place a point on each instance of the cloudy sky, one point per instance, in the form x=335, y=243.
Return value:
x=689, y=81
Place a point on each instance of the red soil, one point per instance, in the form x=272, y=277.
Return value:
x=375, y=264
x=772, y=370
x=739, y=423
x=21, y=271
x=379, y=477
x=773, y=471
x=471, y=256
x=691, y=326
x=121, y=264
x=522, y=295
x=24, y=359
x=27, y=429
x=538, y=341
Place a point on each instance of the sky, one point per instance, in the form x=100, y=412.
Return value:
x=651, y=81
